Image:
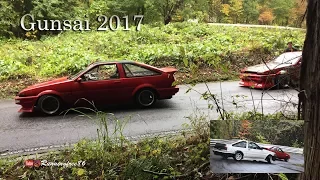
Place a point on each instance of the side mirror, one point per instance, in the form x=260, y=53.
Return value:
x=79, y=79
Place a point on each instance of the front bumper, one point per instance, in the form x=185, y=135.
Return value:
x=27, y=103
x=256, y=85
x=257, y=81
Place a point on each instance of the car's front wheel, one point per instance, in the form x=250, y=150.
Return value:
x=286, y=159
x=269, y=158
x=238, y=156
x=49, y=104
x=146, y=97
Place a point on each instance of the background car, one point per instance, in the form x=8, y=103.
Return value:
x=282, y=72
x=280, y=154
x=243, y=150
x=102, y=83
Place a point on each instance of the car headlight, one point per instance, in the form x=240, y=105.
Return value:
x=282, y=72
x=22, y=95
x=17, y=101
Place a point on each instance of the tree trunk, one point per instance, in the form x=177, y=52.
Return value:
x=167, y=20
x=310, y=92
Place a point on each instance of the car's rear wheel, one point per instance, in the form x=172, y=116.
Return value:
x=49, y=104
x=146, y=97
x=238, y=156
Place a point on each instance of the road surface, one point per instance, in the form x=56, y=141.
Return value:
x=219, y=165
x=256, y=26
x=22, y=131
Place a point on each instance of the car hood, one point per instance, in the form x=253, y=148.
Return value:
x=261, y=68
x=52, y=82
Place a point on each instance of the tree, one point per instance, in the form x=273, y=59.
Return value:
x=215, y=13
x=244, y=129
x=236, y=10
x=168, y=8
x=310, y=92
x=266, y=17
x=297, y=17
x=281, y=10
x=250, y=11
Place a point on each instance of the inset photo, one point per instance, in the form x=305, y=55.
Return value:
x=256, y=146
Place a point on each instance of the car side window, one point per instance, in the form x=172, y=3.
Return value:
x=241, y=144
x=253, y=146
x=132, y=70
x=102, y=72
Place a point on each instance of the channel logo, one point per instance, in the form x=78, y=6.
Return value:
x=32, y=163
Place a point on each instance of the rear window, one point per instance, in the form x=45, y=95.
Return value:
x=242, y=144
x=132, y=70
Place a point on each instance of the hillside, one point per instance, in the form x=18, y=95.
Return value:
x=210, y=52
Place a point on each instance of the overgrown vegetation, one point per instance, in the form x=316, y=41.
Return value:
x=276, y=12
x=112, y=156
x=201, y=52
x=281, y=132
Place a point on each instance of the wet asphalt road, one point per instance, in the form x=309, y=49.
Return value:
x=219, y=165
x=28, y=130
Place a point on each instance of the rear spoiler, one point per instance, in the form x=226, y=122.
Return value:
x=169, y=69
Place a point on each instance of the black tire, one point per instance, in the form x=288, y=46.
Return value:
x=268, y=159
x=145, y=98
x=49, y=104
x=286, y=159
x=281, y=81
x=238, y=156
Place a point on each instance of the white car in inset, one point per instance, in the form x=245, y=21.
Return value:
x=243, y=149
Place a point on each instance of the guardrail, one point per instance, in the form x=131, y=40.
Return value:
x=284, y=148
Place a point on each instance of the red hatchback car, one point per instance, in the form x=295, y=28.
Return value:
x=280, y=154
x=103, y=83
x=283, y=71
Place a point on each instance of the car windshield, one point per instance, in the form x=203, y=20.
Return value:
x=288, y=58
x=78, y=73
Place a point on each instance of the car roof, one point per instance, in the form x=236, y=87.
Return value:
x=113, y=61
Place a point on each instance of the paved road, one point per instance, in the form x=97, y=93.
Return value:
x=256, y=26
x=22, y=131
x=219, y=165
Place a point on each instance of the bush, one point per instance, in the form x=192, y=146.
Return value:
x=173, y=44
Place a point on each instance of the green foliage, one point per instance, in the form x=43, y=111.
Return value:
x=271, y=128
x=175, y=44
x=112, y=156
x=250, y=10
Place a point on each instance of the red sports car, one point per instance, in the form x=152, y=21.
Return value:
x=103, y=83
x=280, y=154
x=283, y=71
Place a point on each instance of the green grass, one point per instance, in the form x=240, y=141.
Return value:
x=174, y=44
x=200, y=52
x=181, y=156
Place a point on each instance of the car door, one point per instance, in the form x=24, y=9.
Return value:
x=280, y=153
x=101, y=84
x=254, y=150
